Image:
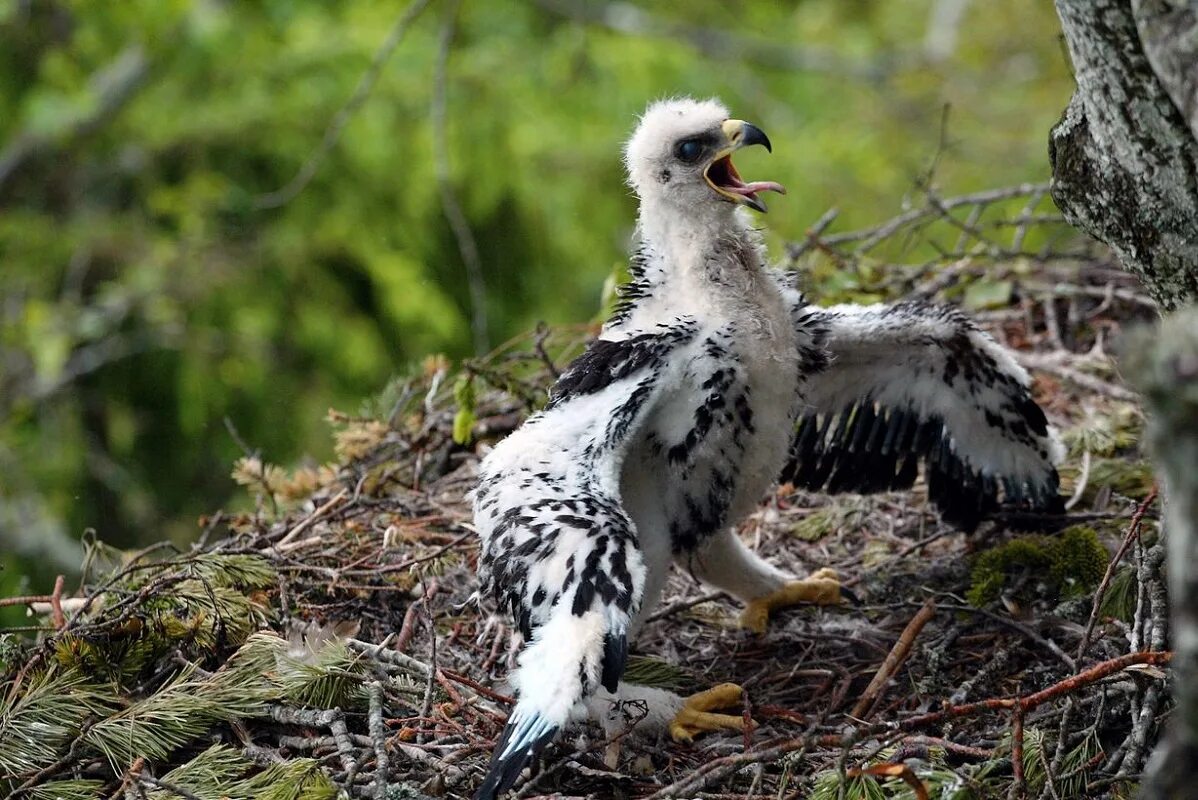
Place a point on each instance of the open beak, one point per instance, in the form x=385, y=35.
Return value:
x=722, y=176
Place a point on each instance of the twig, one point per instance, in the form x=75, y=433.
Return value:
x=542, y=333
x=336, y=127
x=345, y=747
x=478, y=687
x=1019, y=785
x=976, y=753
x=427, y=704
x=776, y=749
x=811, y=237
x=170, y=787
x=1036, y=699
x=1133, y=533
x=253, y=455
x=894, y=660
x=390, y=656
x=130, y=776
x=682, y=605
x=467, y=246
x=1156, y=622
x=1050, y=363
x=408, y=628
x=1052, y=324
x=871, y=237
x=1106, y=294
x=54, y=600
x=378, y=737
x=309, y=520
x=1015, y=625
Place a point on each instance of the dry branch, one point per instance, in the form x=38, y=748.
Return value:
x=894, y=660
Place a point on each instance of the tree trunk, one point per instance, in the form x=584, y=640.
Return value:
x=1124, y=155
x=1164, y=364
x=1125, y=169
x=1169, y=33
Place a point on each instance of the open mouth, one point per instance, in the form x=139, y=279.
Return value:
x=723, y=177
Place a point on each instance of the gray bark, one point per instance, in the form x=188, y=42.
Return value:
x=1164, y=364
x=1125, y=170
x=1124, y=156
x=1169, y=34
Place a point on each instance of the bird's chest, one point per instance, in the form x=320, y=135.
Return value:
x=718, y=440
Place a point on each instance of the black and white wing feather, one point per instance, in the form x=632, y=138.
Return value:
x=558, y=549
x=914, y=382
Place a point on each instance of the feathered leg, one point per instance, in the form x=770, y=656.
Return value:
x=724, y=562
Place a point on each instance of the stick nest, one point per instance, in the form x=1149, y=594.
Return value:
x=328, y=642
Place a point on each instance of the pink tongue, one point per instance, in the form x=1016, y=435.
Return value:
x=756, y=186
x=765, y=186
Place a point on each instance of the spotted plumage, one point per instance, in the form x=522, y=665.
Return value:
x=713, y=379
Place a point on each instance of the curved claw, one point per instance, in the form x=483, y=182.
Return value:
x=821, y=587
x=694, y=717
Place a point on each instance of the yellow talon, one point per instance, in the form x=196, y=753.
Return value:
x=821, y=586
x=693, y=717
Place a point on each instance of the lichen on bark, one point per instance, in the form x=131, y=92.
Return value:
x=1163, y=362
x=1124, y=159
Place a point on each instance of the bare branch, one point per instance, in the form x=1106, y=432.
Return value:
x=467, y=246
x=113, y=86
x=626, y=18
x=336, y=127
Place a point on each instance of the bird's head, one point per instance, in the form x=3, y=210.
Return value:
x=681, y=154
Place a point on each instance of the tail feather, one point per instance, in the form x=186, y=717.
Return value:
x=523, y=739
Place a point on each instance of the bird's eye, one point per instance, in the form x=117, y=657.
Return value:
x=688, y=150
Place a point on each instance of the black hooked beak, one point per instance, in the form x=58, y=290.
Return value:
x=753, y=135
x=722, y=176
x=742, y=134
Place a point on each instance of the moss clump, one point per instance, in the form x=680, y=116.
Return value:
x=1079, y=561
x=816, y=525
x=827, y=520
x=1071, y=564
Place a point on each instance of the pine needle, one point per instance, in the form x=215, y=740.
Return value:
x=328, y=676
x=67, y=790
x=221, y=772
x=183, y=710
x=45, y=717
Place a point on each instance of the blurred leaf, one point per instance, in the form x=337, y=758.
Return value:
x=464, y=418
x=984, y=294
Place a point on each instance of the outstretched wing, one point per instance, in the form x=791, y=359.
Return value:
x=914, y=382
x=558, y=548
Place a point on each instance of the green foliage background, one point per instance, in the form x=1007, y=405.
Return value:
x=145, y=296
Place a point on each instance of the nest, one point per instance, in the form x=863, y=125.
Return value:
x=329, y=642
